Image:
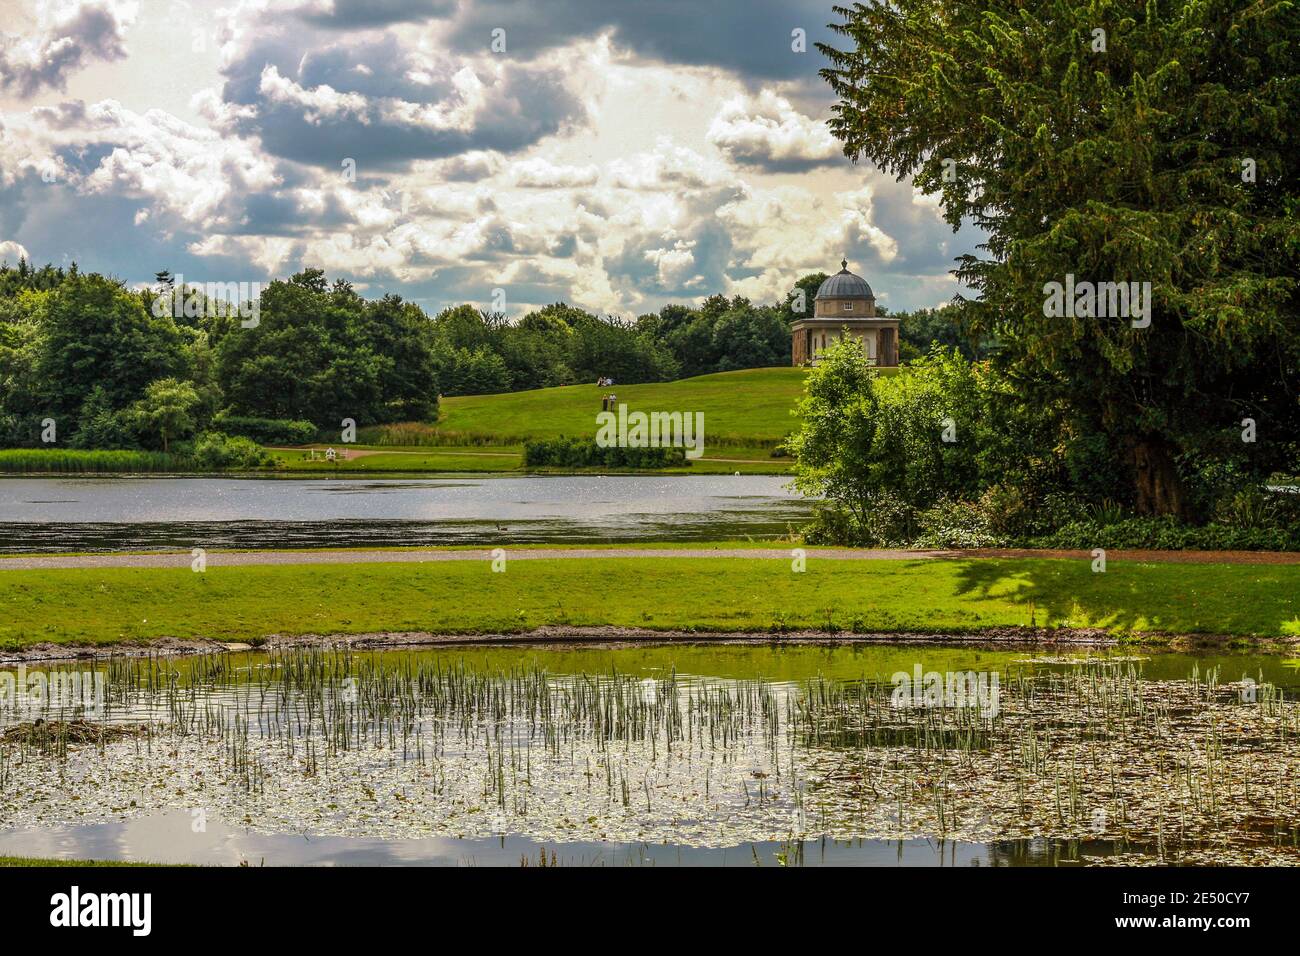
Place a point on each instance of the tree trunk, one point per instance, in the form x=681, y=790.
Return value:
x=1159, y=490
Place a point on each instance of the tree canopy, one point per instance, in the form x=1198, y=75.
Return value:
x=1129, y=143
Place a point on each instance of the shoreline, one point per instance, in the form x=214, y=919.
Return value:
x=610, y=635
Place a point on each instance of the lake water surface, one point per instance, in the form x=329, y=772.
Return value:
x=110, y=514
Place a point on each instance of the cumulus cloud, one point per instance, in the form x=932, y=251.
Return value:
x=539, y=173
x=768, y=132
x=767, y=39
x=580, y=166
x=752, y=37
x=316, y=105
x=468, y=167
x=668, y=167
x=11, y=251
x=188, y=174
x=889, y=233
x=350, y=14
x=69, y=35
x=451, y=201
x=306, y=99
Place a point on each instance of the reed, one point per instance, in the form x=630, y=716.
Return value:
x=75, y=461
x=1088, y=751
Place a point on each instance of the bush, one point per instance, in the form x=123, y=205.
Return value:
x=565, y=452
x=213, y=451
x=1168, y=534
x=833, y=526
x=266, y=431
x=1006, y=510
x=1002, y=517
x=887, y=522
x=946, y=429
x=956, y=524
x=1249, y=508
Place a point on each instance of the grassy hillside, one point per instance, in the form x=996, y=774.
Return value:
x=750, y=407
x=746, y=413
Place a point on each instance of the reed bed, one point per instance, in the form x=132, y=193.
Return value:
x=1092, y=754
x=74, y=461
x=400, y=434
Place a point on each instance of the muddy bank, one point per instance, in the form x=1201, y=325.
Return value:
x=991, y=637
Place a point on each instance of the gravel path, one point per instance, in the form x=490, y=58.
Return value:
x=417, y=556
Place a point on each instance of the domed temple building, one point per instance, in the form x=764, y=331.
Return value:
x=844, y=306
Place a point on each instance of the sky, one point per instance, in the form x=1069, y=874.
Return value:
x=617, y=155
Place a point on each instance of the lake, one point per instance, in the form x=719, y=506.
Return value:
x=116, y=513
x=668, y=754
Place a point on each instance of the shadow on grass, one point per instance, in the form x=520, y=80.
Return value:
x=1138, y=597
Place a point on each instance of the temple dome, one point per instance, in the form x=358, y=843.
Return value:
x=845, y=285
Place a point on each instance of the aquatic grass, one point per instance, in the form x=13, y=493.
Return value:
x=1089, y=750
x=409, y=434
x=74, y=461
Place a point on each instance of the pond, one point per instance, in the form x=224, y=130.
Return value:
x=111, y=514
x=662, y=754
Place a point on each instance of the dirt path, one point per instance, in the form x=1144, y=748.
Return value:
x=418, y=556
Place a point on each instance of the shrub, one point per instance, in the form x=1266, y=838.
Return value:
x=565, y=452
x=956, y=524
x=947, y=429
x=1248, y=508
x=106, y=430
x=832, y=525
x=266, y=431
x=213, y=451
x=887, y=521
x=1003, y=518
x=1006, y=510
x=1168, y=534
x=1106, y=512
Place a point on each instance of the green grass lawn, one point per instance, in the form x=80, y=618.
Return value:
x=706, y=594
x=749, y=407
x=745, y=414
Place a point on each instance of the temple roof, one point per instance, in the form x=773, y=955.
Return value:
x=845, y=285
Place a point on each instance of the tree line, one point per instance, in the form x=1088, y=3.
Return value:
x=107, y=366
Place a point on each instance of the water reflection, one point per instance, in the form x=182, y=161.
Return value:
x=109, y=514
x=172, y=837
